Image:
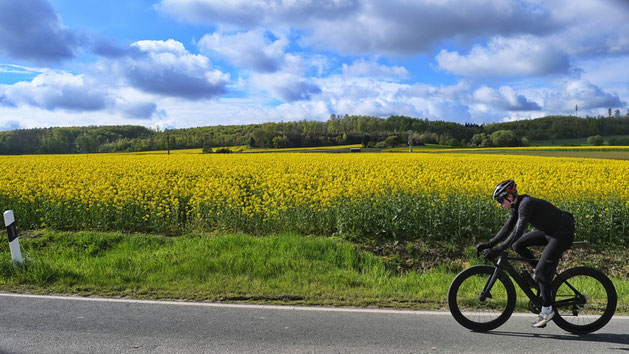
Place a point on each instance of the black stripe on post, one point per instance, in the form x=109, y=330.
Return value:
x=12, y=232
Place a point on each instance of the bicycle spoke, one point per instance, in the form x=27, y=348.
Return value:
x=468, y=299
x=587, y=309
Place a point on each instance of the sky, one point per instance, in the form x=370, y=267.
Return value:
x=168, y=64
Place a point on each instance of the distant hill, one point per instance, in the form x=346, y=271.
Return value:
x=338, y=130
x=563, y=127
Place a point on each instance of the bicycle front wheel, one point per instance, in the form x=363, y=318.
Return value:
x=585, y=300
x=466, y=306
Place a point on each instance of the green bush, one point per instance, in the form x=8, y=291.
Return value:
x=392, y=141
x=595, y=140
x=619, y=141
x=505, y=138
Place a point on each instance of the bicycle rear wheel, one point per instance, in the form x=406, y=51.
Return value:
x=588, y=309
x=473, y=313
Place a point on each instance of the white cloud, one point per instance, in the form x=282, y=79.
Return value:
x=167, y=68
x=72, y=95
x=32, y=30
x=140, y=110
x=505, y=98
x=246, y=14
x=5, y=101
x=129, y=86
x=610, y=73
x=590, y=27
x=519, y=56
x=286, y=86
x=20, y=69
x=408, y=27
x=361, y=27
x=457, y=92
x=35, y=117
x=585, y=27
x=267, y=66
x=252, y=50
x=366, y=96
x=10, y=125
x=362, y=96
x=461, y=102
x=268, y=69
x=363, y=68
x=582, y=93
x=53, y=90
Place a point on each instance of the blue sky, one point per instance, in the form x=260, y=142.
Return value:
x=188, y=63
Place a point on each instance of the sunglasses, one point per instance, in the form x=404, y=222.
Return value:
x=500, y=201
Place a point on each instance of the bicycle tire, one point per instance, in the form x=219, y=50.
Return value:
x=593, y=315
x=479, y=315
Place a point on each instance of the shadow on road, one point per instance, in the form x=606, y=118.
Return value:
x=611, y=338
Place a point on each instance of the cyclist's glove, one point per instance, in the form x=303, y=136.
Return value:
x=490, y=253
x=481, y=247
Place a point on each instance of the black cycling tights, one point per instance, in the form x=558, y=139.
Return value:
x=547, y=263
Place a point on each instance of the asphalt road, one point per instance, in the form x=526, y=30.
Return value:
x=39, y=324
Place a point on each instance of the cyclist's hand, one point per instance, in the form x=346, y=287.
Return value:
x=490, y=253
x=481, y=247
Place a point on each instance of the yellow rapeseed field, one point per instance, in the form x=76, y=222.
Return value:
x=158, y=192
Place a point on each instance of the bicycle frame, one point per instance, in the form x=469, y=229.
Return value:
x=503, y=265
x=577, y=300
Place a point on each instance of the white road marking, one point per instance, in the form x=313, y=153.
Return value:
x=223, y=305
x=252, y=306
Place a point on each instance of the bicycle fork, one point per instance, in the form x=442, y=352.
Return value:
x=486, y=293
x=500, y=267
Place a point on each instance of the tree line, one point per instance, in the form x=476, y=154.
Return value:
x=338, y=130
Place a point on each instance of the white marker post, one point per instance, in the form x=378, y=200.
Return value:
x=14, y=243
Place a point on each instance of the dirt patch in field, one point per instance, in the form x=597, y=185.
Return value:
x=423, y=256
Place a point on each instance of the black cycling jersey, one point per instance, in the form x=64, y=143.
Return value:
x=541, y=214
x=555, y=230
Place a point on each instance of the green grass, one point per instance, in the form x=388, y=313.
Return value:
x=546, y=149
x=282, y=268
x=606, y=153
x=278, y=268
x=574, y=150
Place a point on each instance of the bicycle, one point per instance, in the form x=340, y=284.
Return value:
x=483, y=297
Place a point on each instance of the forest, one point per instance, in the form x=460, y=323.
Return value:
x=337, y=130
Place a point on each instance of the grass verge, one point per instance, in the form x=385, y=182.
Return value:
x=282, y=268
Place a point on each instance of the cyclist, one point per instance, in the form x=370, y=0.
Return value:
x=554, y=229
